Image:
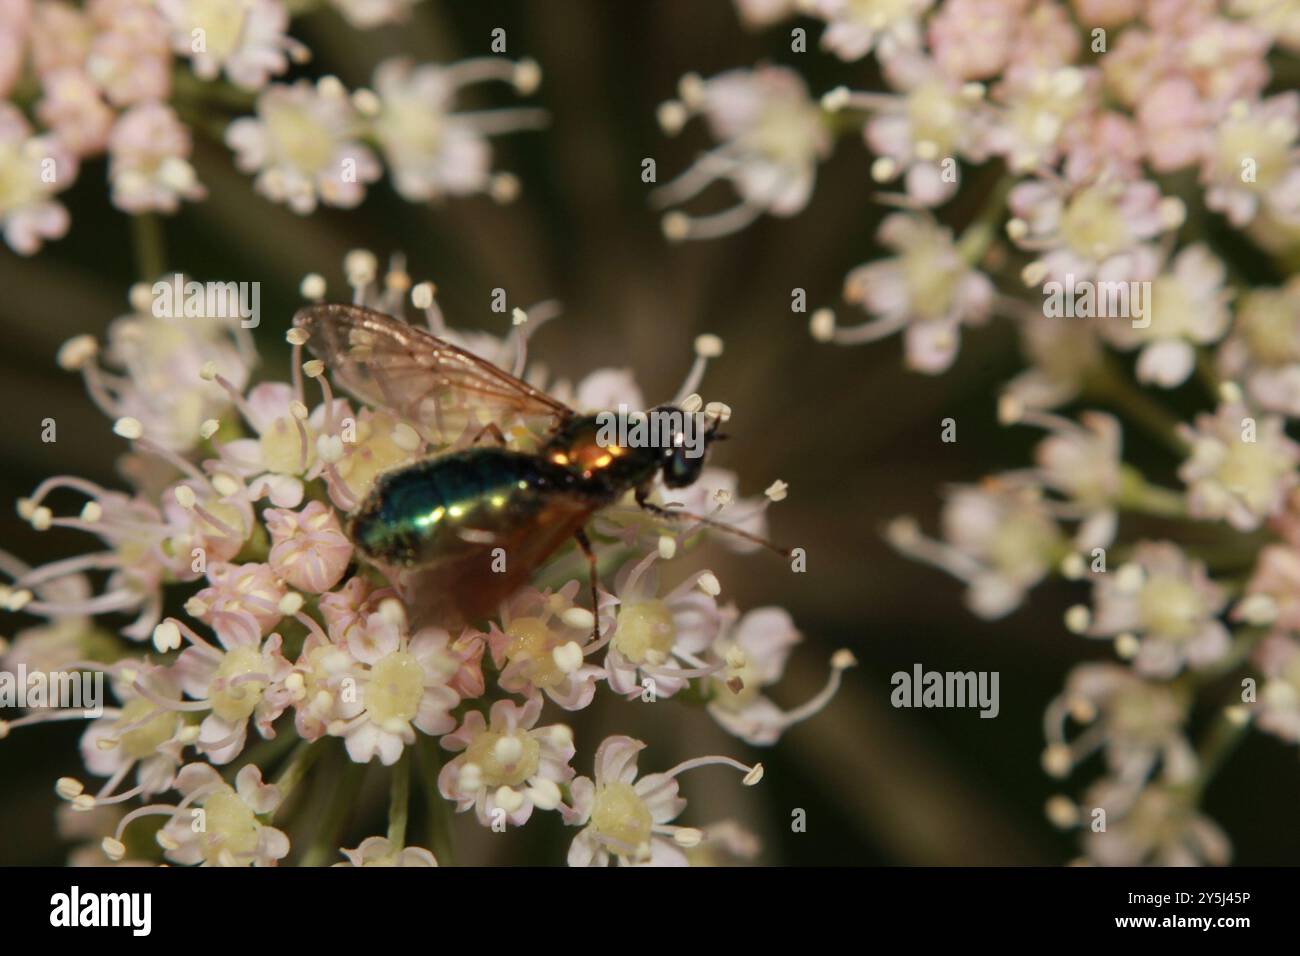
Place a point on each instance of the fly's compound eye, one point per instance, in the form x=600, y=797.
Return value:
x=681, y=468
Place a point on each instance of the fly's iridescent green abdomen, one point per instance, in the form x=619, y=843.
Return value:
x=442, y=509
x=466, y=529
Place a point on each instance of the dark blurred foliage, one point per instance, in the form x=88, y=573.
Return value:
x=856, y=437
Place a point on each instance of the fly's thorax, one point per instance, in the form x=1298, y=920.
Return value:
x=626, y=448
x=589, y=449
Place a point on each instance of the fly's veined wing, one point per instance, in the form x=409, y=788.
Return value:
x=468, y=585
x=441, y=388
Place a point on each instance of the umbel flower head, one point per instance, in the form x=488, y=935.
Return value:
x=140, y=81
x=294, y=659
x=1092, y=173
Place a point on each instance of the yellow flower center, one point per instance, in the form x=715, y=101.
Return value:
x=1144, y=715
x=621, y=815
x=1267, y=320
x=531, y=641
x=931, y=273
x=646, y=632
x=504, y=760
x=1093, y=226
x=394, y=690
x=1266, y=143
x=1173, y=309
x=230, y=825
x=299, y=137
x=935, y=118
x=282, y=447
x=236, y=702
x=1250, y=470
x=374, y=451
x=1170, y=606
x=878, y=14
x=222, y=23
x=143, y=741
x=1023, y=542
x=788, y=133
x=18, y=184
x=408, y=125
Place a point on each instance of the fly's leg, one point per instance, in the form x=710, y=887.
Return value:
x=677, y=514
x=585, y=544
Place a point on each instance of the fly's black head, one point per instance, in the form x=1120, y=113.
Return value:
x=688, y=435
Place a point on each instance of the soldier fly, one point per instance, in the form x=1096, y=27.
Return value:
x=435, y=523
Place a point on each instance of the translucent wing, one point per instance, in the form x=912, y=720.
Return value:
x=439, y=387
x=469, y=585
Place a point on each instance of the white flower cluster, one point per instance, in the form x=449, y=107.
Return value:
x=135, y=80
x=1134, y=146
x=239, y=513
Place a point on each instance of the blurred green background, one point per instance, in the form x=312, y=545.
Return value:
x=856, y=437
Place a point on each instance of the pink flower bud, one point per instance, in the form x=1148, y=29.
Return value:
x=240, y=594
x=310, y=550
